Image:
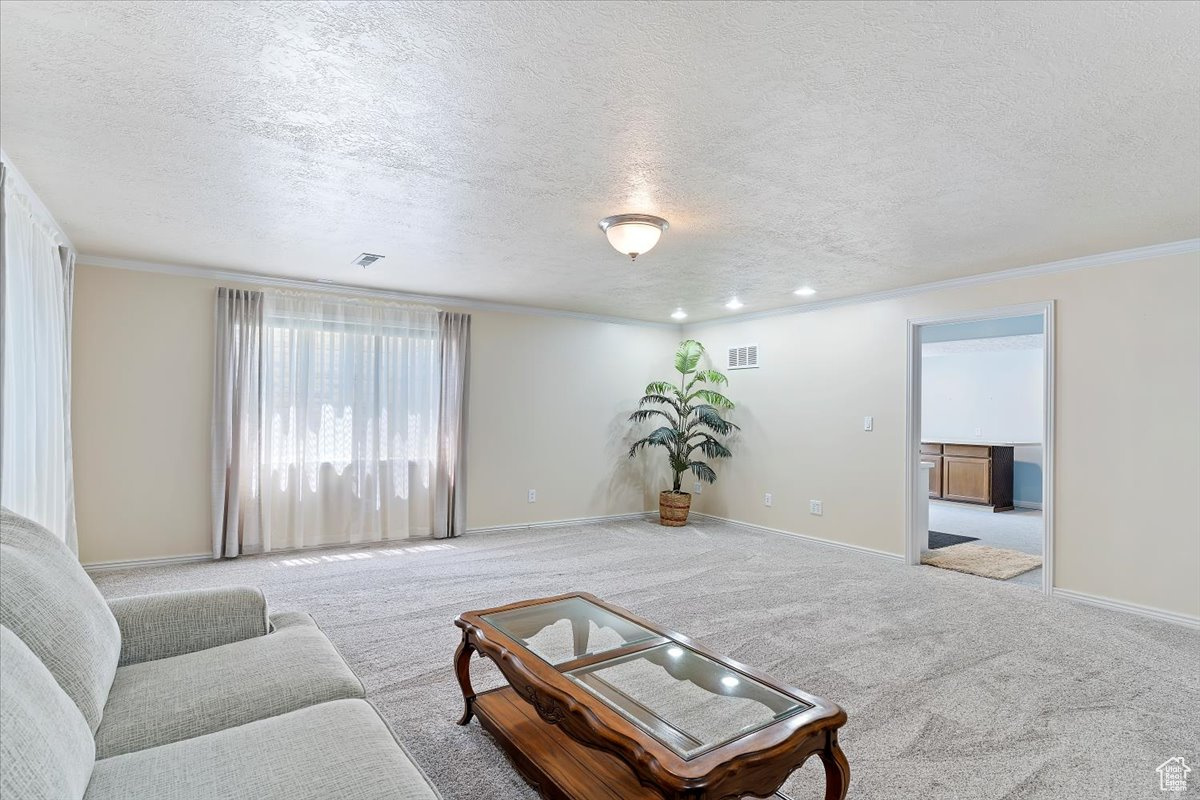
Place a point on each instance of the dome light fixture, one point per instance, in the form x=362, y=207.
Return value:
x=734, y=304
x=805, y=291
x=633, y=234
x=679, y=313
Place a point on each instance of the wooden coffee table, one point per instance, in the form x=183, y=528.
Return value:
x=604, y=705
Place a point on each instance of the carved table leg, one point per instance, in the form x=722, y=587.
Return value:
x=837, y=769
x=462, y=668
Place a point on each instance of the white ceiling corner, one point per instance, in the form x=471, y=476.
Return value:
x=858, y=148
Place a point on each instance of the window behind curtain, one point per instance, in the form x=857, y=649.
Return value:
x=350, y=402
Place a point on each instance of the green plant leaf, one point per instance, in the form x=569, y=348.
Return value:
x=708, y=376
x=643, y=414
x=688, y=356
x=710, y=447
x=702, y=471
x=710, y=418
x=660, y=387
x=659, y=437
x=714, y=399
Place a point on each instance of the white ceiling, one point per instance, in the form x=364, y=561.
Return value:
x=855, y=147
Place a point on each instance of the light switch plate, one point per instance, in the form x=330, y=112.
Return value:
x=698, y=488
x=767, y=499
x=868, y=423
x=816, y=507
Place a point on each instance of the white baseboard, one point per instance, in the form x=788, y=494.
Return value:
x=831, y=543
x=558, y=523
x=1027, y=504
x=1129, y=608
x=108, y=566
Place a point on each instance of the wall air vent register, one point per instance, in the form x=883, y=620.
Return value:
x=743, y=357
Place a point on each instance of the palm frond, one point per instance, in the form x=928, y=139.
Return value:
x=710, y=418
x=708, y=376
x=662, y=398
x=661, y=387
x=643, y=414
x=659, y=437
x=702, y=471
x=714, y=399
x=710, y=447
x=687, y=357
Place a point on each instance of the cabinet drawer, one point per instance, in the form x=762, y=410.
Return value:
x=930, y=449
x=968, y=450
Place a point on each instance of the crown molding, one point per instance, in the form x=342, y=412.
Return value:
x=1066, y=265
x=1082, y=262
x=258, y=279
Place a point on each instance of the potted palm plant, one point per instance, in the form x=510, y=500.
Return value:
x=692, y=412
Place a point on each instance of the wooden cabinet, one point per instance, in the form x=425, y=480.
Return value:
x=933, y=454
x=971, y=473
x=967, y=479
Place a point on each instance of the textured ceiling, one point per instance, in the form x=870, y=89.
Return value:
x=853, y=147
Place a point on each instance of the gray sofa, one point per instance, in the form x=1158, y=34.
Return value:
x=174, y=696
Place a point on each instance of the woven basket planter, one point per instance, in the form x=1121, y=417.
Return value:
x=673, y=508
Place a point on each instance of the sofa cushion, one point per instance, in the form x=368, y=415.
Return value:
x=170, y=624
x=46, y=747
x=340, y=749
x=163, y=701
x=53, y=606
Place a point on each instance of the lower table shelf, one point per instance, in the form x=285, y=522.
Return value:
x=559, y=767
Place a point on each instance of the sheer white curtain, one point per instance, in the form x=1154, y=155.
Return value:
x=350, y=412
x=35, y=440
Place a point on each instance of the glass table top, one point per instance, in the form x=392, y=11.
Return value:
x=686, y=700
x=565, y=630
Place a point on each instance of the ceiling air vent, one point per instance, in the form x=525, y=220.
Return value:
x=744, y=357
x=365, y=260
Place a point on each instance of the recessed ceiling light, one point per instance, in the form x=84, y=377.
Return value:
x=734, y=304
x=679, y=313
x=674, y=652
x=730, y=681
x=806, y=291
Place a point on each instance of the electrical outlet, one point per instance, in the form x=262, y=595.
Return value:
x=816, y=507
x=868, y=423
x=533, y=495
x=698, y=488
x=978, y=432
x=767, y=499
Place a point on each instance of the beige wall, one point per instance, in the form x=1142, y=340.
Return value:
x=1127, y=423
x=549, y=396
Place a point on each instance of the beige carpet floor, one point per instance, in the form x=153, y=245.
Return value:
x=976, y=559
x=956, y=688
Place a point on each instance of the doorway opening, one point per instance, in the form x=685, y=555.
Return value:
x=979, y=462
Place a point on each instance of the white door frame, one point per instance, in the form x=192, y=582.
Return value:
x=912, y=426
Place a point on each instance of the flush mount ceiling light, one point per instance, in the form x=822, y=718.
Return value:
x=679, y=313
x=734, y=304
x=633, y=234
x=805, y=291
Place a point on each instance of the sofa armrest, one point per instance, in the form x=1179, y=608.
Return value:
x=155, y=626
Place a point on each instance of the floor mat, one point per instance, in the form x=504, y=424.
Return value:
x=938, y=540
x=987, y=562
